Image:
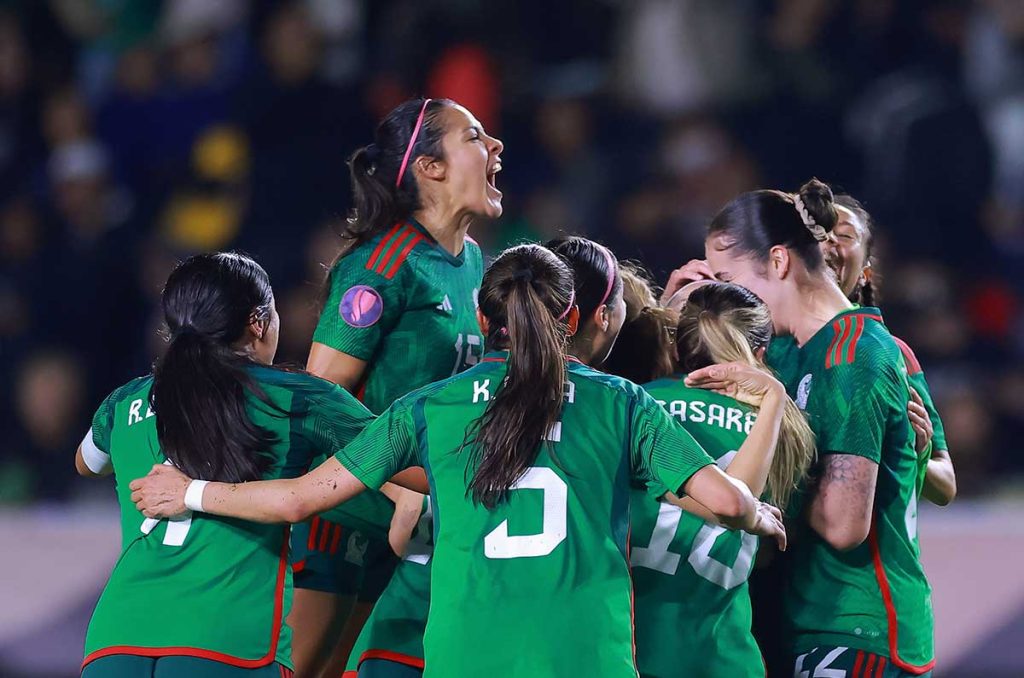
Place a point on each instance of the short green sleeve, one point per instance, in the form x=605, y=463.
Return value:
x=663, y=454
x=362, y=306
x=333, y=418
x=103, y=424
x=385, y=447
x=851, y=403
x=920, y=384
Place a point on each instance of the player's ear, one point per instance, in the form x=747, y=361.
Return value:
x=779, y=262
x=258, y=326
x=431, y=168
x=485, y=326
x=602, y=317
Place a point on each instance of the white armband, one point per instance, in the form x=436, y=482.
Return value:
x=194, y=495
x=95, y=459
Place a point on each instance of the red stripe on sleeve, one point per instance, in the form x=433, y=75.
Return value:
x=398, y=240
x=311, y=542
x=841, y=328
x=381, y=245
x=880, y=671
x=851, y=348
x=400, y=259
x=913, y=365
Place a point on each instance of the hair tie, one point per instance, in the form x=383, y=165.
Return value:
x=816, y=229
x=523, y=274
x=412, y=142
x=183, y=330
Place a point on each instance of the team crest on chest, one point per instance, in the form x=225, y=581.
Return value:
x=803, y=390
x=361, y=306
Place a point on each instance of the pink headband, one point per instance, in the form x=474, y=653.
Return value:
x=412, y=142
x=572, y=300
x=611, y=276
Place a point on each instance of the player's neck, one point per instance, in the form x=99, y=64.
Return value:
x=447, y=228
x=813, y=307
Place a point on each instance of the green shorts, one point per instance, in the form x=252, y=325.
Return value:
x=132, y=666
x=847, y=662
x=335, y=559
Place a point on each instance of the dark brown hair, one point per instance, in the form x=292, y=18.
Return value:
x=865, y=293
x=643, y=350
x=524, y=296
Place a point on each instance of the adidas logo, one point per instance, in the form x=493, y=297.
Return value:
x=445, y=305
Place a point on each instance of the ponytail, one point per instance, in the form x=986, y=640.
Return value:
x=643, y=350
x=524, y=296
x=723, y=323
x=201, y=386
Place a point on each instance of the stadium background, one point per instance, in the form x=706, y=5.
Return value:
x=136, y=132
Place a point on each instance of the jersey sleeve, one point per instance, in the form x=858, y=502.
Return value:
x=920, y=384
x=362, y=306
x=384, y=448
x=96, y=443
x=853, y=404
x=333, y=418
x=663, y=454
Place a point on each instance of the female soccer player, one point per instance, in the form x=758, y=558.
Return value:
x=856, y=597
x=645, y=348
x=534, y=582
x=848, y=253
x=202, y=595
x=693, y=611
x=400, y=312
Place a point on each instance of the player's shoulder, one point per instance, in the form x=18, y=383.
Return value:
x=913, y=364
x=383, y=256
x=609, y=384
x=296, y=381
x=860, y=339
x=130, y=390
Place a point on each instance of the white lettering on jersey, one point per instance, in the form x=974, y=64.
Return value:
x=697, y=413
x=734, y=415
x=570, y=392
x=133, y=412
x=481, y=391
x=716, y=415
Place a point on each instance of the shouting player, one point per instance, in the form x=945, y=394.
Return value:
x=400, y=312
x=202, y=595
x=535, y=582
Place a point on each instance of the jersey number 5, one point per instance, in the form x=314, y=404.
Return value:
x=498, y=543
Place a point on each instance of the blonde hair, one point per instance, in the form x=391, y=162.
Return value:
x=643, y=349
x=722, y=323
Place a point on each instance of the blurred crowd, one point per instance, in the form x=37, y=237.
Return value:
x=136, y=132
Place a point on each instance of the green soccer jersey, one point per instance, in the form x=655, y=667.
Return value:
x=540, y=585
x=692, y=605
x=204, y=585
x=915, y=375
x=851, y=380
x=406, y=306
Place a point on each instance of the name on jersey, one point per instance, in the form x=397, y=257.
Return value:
x=712, y=414
x=482, y=391
x=135, y=412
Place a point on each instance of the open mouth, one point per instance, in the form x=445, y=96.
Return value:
x=492, y=175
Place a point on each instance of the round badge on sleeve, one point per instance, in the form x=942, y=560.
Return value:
x=361, y=306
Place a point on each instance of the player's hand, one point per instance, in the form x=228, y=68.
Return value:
x=919, y=421
x=769, y=524
x=692, y=271
x=745, y=383
x=161, y=494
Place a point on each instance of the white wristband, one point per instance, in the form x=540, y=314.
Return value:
x=194, y=495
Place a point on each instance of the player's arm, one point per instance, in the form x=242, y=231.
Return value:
x=940, y=478
x=362, y=307
x=667, y=457
x=378, y=453
x=757, y=388
x=90, y=461
x=841, y=508
x=333, y=365
x=408, y=507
